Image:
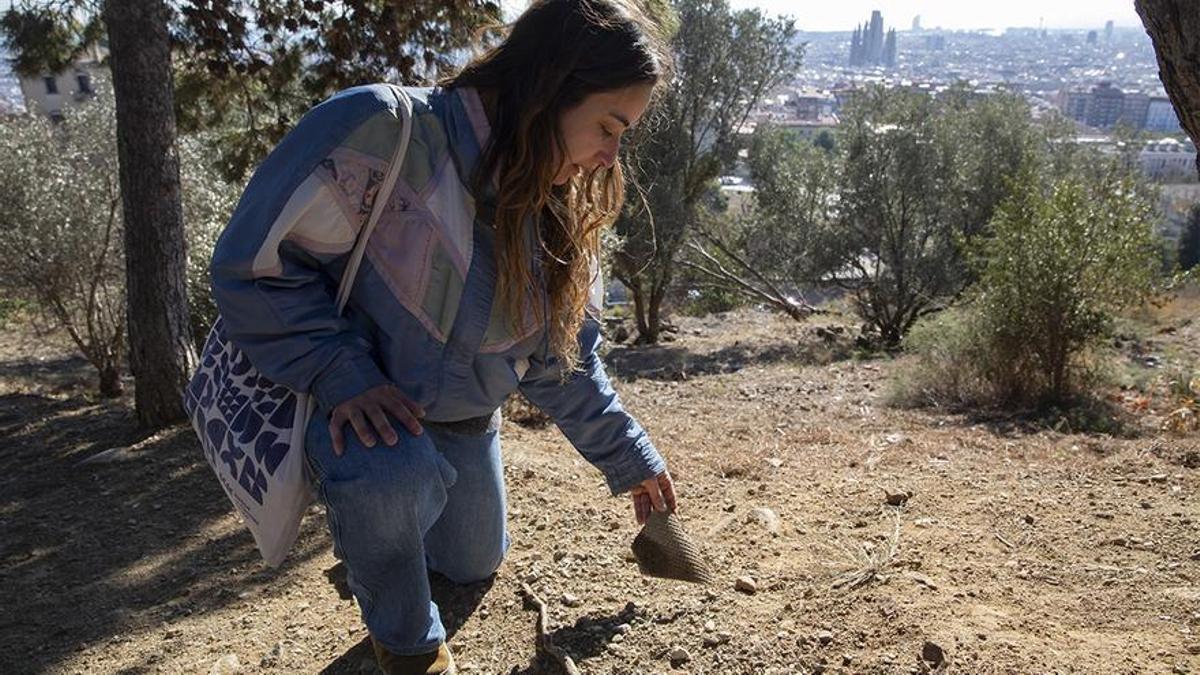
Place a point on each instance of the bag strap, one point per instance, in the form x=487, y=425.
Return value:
x=381, y=199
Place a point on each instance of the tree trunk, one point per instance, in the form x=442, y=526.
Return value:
x=110, y=381
x=161, y=354
x=1174, y=28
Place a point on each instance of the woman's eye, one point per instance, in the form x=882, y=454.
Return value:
x=604, y=130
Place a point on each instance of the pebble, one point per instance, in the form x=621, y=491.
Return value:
x=746, y=585
x=710, y=625
x=932, y=653
x=226, y=665
x=570, y=600
x=622, y=628
x=825, y=637
x=897, y=498
x=765, y=517
x=679, y=656
x=847, y=659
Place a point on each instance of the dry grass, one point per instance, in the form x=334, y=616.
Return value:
x=867, y=559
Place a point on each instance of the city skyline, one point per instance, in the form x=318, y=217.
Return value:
x=952, y=14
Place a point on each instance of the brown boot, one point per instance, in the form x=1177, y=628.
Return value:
x=434, y=663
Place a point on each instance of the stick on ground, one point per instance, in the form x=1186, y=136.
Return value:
x=544, y=643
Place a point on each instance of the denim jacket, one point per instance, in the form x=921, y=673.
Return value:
x=421, y=313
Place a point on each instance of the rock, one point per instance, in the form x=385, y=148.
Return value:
x=898, y=498
x=679, y=656
x=825, y=637
x=710, y=625
x=746, y=585
x=570, y=600
x=621, y=628
x=711, y=641
x=775, y=462
x=1028, y=519
x=226, y=665
x=931, y=653
x=847, y=659
x=765, y=517
x=924, y=581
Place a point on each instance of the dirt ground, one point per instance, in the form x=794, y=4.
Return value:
x=1009, y=546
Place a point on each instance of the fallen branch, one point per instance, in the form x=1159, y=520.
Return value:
x=544, y=642
x=1004, y=541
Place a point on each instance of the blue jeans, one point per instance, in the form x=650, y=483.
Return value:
x=434, y=501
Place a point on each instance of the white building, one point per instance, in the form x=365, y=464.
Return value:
x=1168, y=160
x=51, y=93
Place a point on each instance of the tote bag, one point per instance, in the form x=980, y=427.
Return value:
x=252, y=429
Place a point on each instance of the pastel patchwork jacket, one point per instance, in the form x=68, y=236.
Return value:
x=421, y=313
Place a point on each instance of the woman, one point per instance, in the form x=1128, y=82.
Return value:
x=480, y=278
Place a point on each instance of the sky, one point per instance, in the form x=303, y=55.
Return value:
x=823, y=15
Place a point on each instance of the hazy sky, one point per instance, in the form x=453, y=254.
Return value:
x=844, y=14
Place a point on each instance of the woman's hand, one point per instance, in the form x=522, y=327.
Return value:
x=369, y=410
x=657, y=493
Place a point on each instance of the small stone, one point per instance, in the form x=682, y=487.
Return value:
x=711, y=641
x=570, y=600
x=723, y=637
x=847, y=659
x=710, y=626
x=679, y=656
x=746, y=585
x=1028, y=519
x=898, y=498
x=226, y=665
x=825, y=637
x=765, y=517
x=932, y=653
x=621, y=628
x=617, y=637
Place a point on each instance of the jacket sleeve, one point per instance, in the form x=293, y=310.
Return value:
x=296, y=222
x=588, y=411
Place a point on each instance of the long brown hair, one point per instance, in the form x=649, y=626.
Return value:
x=556, y=54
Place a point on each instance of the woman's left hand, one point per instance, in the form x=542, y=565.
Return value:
x=656, y=493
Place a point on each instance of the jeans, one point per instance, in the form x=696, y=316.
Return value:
x=434, y=501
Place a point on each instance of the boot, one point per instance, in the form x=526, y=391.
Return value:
x=438, y=662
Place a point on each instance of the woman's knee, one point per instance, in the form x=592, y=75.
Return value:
x=474, y=564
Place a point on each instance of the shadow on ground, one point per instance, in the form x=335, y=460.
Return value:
x=101, y=551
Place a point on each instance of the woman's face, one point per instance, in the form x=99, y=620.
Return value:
x=592, y=130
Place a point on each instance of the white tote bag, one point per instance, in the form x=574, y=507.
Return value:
x=252, y=429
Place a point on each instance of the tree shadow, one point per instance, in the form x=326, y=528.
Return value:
x=456, y=603
x=587, y=638
x=92, y=552
x=675, y=363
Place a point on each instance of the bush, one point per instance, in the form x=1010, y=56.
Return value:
x=62, y=231
x=61, y=228
x=1061, y=260
x=208, y=203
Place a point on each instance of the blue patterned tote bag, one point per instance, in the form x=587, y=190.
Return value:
x=252, y=429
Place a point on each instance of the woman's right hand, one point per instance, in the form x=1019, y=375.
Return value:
x=369, y=410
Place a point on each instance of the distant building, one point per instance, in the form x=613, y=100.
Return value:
x=812, y=105
x=1108, y=32
x=1161, y=115
x=51, y=93
x=1105, y=105
x=870, y=46
x=1168, y=159
x=916, y=24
